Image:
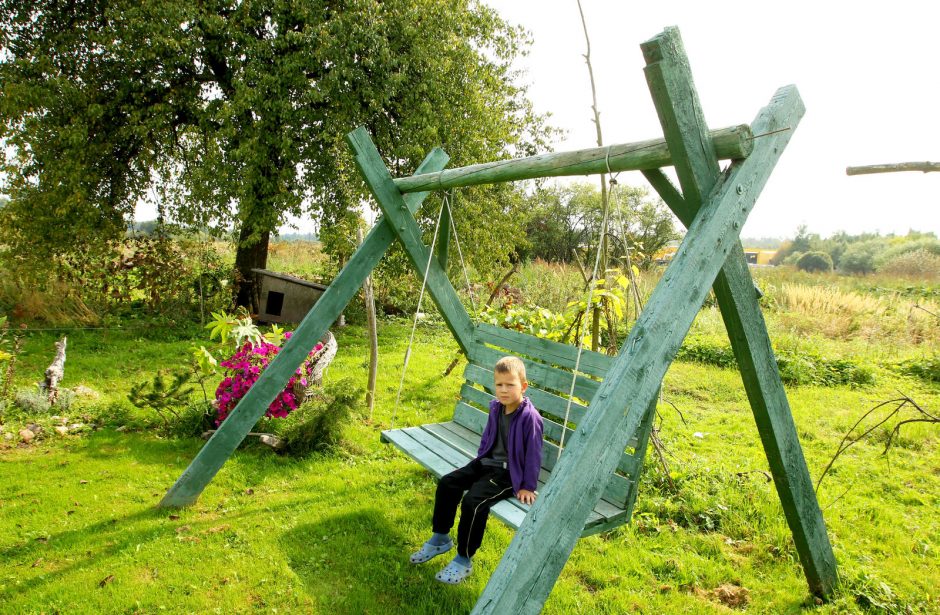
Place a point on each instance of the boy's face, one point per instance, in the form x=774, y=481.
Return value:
x=509, y=389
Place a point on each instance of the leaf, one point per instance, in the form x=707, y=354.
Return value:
x=221, y=326
x=106, y=580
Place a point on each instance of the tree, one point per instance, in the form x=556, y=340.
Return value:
x=228, y=112
x=813, y=262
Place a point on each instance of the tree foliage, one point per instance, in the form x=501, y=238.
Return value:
x=233, y=113
x=565, y=218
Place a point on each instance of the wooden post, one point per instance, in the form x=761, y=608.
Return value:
x=405, y=227
x=731, y=143
x=923, y=167
x=539, y=550
x=368, y=298
x=683, y=122
x=252, y=406
x=676, y=100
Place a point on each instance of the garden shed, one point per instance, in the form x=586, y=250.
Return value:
x=285, y=298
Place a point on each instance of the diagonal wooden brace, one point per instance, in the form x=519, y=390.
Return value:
x=326, y=310
x=690, y=144
x=403, y=224
x=538, y=552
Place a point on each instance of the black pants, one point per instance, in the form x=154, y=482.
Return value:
x=484, y=486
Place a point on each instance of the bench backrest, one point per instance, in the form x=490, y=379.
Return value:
x=549, y=369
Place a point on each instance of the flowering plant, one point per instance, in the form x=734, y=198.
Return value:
x=244, y=368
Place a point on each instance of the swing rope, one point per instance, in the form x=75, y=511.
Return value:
x=589, y=303
x=463, y=265
x=414, y=325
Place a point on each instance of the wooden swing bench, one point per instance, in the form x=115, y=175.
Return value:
x=443, y=447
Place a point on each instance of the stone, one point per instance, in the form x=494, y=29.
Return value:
x=27, y=435
x=61, y=430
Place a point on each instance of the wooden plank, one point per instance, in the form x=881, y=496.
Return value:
x=668, y=75
x=546, y=351
x=406, y=229
x=546, y=377
x=325, y=311
x=896, y=167
x=670, y=194
x=537, y=554
x=732, y=143
x=428, y=459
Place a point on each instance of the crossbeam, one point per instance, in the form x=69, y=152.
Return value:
x=731, y=143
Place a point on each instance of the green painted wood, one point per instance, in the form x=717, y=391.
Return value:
x=669, y=77
x=668, y=73
x=427, y=458
x=442, y=243
x=547, y=377
x=731, y=144
x=634, y=469
x=547, y=351
x=327, y=309
x=669, y=193
x=406, y=229
x=541, y=546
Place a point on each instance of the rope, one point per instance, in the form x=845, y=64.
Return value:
x=414, y=326
x=463, y=265
x=590, y=301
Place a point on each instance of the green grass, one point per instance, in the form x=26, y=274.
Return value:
x=79, y=531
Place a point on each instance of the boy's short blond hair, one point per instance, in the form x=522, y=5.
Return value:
x=511, y=365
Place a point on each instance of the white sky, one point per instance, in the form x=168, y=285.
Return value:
x=869, y=74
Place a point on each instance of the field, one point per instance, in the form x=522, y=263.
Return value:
x=79, y=531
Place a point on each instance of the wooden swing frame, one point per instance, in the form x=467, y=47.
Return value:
x=712, y=204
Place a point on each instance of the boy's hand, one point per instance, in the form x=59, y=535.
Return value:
x=525, y=496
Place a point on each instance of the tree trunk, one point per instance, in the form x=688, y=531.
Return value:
x=251, y=253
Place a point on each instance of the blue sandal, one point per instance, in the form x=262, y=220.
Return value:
x=429, y=551
x=454, y=573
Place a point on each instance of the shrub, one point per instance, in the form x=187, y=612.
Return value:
x=797, y=366
x=925, y=368
x=34, y=402
x=921, y=264
x=814, y=262
x=317, y=424
x=859, y=257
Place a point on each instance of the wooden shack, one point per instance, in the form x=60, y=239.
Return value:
x=285, y=298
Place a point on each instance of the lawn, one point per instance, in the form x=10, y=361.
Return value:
x=79, y=530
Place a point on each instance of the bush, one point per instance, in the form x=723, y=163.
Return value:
x=797, y=366
x=859, y=257
x=318, y=423
x=813, y=262
x=34, y=402
x=792, y=258
x=925, y=368
x=921, y=264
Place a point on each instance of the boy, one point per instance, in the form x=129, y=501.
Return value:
x=507, y=464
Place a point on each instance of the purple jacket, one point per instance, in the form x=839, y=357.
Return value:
x=524, y=444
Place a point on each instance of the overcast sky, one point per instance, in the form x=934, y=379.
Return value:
x=869, y=74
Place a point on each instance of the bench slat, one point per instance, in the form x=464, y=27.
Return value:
x=547, y=377
x=593, y=363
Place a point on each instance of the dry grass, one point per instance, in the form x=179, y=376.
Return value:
x=845, y=315
x=57, y=304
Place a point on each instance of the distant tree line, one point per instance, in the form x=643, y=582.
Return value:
x=913, y=254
